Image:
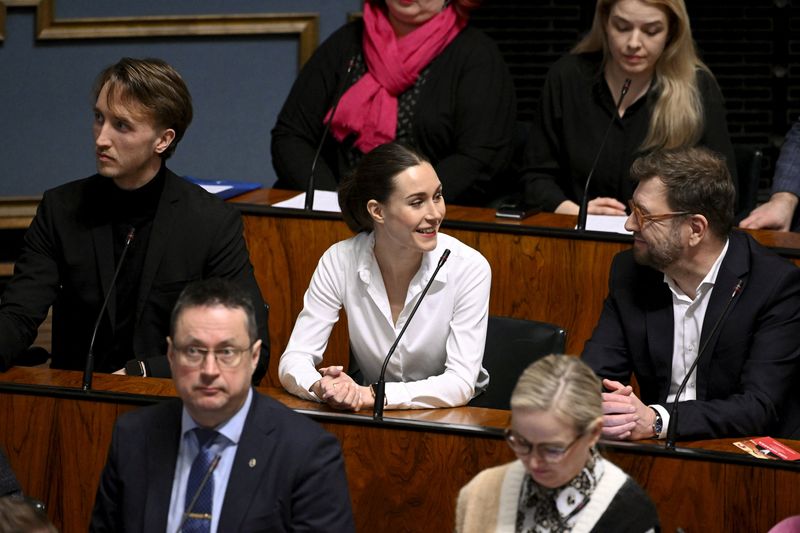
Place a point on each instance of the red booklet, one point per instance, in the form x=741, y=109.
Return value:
x=768, y=448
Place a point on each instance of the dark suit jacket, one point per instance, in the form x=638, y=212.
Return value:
x=747, y=374
x=8, y=481
x=298, y=482
x=68, y=262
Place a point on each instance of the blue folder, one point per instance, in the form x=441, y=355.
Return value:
x=236, y=187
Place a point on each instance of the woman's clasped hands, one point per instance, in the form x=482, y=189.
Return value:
x=340, y=391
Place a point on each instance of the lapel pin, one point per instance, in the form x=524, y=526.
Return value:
x=252, y=463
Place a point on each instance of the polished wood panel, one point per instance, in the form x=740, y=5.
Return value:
x=16, y=212
x=541, y=268
x=285, y=252
x=407, y=480
x=404, y=472
x=711, y=486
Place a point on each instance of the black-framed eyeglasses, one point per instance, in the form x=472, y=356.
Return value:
x=642, y=218
x=194, y=356
x=548, y=453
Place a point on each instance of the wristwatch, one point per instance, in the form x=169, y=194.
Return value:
x=658, y=424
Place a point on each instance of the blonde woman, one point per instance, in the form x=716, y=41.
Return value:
x=673, y=102
x=559, y=482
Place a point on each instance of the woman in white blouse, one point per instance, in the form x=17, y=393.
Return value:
x=394, y=204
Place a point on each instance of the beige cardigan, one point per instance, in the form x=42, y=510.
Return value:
x=489, y=502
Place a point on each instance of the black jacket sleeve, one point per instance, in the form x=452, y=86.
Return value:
x=33, y=288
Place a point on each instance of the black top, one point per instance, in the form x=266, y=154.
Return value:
x=128, y=209
x=460, y=114
x=574, y=111
x=631, y=511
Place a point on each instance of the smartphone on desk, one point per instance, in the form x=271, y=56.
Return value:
x=516, y=210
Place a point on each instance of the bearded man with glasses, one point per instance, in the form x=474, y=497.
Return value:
x=693, y=289
x=223, y=457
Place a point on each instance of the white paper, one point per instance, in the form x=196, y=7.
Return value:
x=215, y=189
x=607, y=223
x=323, y=201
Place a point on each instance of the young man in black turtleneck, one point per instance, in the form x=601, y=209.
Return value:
x=180, y=233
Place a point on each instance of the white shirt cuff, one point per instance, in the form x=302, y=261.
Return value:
x=664, y=420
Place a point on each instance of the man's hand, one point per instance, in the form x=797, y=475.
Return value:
x=597, y=206
x=625, y=417
x=775, y=214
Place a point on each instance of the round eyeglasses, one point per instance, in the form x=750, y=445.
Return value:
x=547, y=453
x=642, y=218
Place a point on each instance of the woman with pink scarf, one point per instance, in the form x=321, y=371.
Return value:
x=410, y=71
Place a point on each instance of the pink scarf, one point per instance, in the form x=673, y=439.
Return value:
x=369, y=107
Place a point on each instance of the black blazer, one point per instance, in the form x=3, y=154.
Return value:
x=67, y=261
x=297, y=481
x=746, y=376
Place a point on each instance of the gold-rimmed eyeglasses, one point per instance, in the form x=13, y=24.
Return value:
x=642, y=218
x=548, y=453
x=195, y=356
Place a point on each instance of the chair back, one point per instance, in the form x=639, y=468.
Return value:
x=511, y=345
x=748, y=167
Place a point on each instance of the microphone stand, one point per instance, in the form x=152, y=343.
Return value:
x=309, y=201
x=672, y=428
x=380, y=386
x=583, y=211
x=89, y=368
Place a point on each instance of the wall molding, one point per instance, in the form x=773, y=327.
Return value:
x=304, y=25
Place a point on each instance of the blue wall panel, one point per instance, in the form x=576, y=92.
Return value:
x=238, y=84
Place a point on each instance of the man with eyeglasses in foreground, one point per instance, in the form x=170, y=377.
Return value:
x=688, y=274
x=223, y=457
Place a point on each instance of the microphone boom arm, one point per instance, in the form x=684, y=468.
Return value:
x=583, y=211
x=89, y=368
x=672, y=428
x=380, y=386
x=308, y=205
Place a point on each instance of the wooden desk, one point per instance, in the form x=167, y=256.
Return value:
x=16, y=214
x=404, y=473
x=541, y=268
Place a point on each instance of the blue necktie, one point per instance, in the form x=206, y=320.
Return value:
x=199, y=520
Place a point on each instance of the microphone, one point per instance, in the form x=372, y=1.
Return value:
x=89, y=369
x=196, y=495
x=380, y=386
x=672, y=428
x=583, y=212
x=309, y=202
